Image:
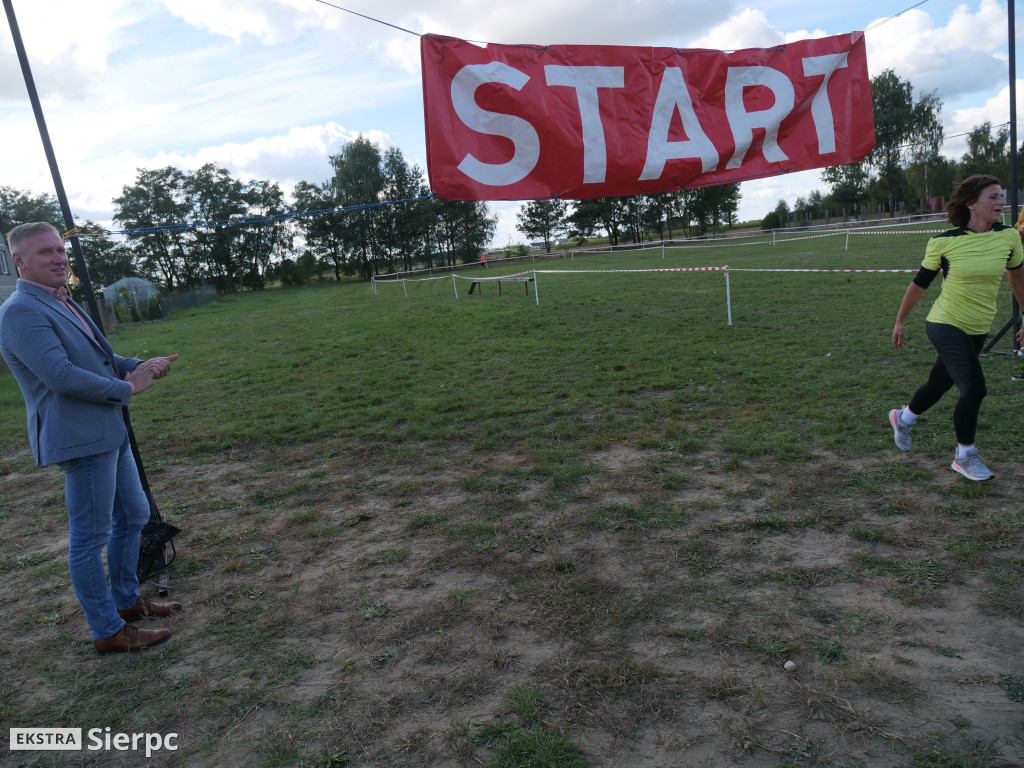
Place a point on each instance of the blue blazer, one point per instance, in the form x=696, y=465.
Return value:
x=72, y=381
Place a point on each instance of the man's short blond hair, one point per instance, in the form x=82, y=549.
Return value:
x=22, y=232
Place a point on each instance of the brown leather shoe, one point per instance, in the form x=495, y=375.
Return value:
x=146, y=609
x=131, y=639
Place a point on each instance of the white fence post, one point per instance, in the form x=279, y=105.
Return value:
x=728, y=295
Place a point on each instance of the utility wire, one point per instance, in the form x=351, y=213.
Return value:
x=368, y=18
x=933, y=141
x=896, y=16
x=417, y=34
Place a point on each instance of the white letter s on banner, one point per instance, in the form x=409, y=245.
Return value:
x=516, y=129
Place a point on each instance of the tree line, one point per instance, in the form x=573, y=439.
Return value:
x=348, y=225
x=632, y=218
x=260, y=237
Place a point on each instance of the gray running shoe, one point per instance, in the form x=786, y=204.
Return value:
x=900, y=431
x=971, y=466
x=1017, y=376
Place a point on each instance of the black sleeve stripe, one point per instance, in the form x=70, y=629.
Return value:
x=924, y=277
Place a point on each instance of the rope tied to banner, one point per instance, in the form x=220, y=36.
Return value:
x=74, y=232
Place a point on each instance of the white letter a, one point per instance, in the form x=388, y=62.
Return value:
x=673, y=95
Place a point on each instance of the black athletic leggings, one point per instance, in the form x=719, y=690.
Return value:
x=958, y=364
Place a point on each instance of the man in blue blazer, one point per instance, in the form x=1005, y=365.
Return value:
x=76, y=394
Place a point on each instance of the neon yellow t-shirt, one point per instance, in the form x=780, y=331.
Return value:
x=973, y=264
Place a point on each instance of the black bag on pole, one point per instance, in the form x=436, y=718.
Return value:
x=157, y=534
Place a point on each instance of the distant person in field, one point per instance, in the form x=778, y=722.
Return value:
x=76, y=394
x=972, y=258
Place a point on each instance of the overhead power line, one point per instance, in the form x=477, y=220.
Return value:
x=879, y=23
x=368, y=18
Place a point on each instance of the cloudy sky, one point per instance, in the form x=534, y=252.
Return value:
x=270, y=88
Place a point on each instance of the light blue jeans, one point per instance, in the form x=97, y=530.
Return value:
x=106, y=509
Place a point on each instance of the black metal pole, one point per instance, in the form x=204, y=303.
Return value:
x=1013, y=150
x=1013, y=111
x=1014, y=321
x=81, y=269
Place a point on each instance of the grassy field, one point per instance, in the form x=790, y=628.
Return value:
x=428, y=531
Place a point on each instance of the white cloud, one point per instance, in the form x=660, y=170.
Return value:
x=749, y=28
x=300, y=155
x=67, y=62
x=957, y=59
x=613, y=22
x=506, y=232
x=759, y=197
x=390, y=32
x=958, y=122
x=272, y=22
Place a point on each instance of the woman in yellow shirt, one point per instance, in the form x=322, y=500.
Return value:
x=972, y=258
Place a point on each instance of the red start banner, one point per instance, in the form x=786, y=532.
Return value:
x=523, y=122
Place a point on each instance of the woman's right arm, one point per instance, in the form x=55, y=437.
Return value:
x=910, y=299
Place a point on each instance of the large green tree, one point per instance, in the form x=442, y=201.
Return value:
x=901, y=123
x=461, y=229
x=663, y=211
x=321, y=226
x=848, y=185
x=377, y=215
x=190, y=228
x=711, y=207
x=214, y=197
x=153, y=209
x=266, y=233
x=108, y=260
x=18, y=207
x=778, y=218
x=638, y=218
x=406, y=226
x=358, y=185
x=543, y=219
x=932, y=176
x=595, y=214
x=987, y=152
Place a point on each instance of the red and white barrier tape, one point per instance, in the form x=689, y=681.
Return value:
x=912, y=232
x=716, y=245
x=379, y=279
x=493, y=279
x=598, y=271
x=746, y=269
